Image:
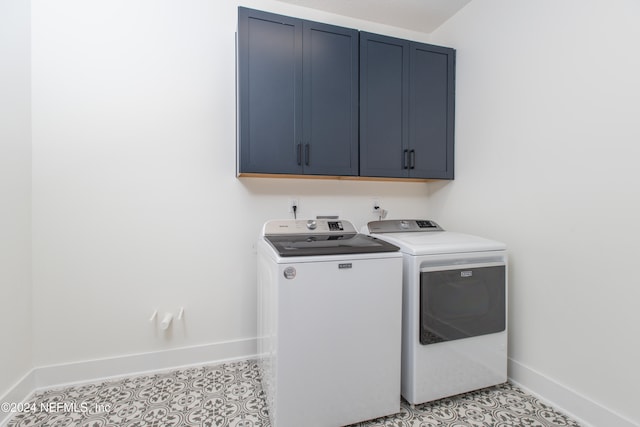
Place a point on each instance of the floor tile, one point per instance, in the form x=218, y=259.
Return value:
x=231, y=394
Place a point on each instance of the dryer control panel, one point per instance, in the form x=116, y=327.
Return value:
x=403, y=225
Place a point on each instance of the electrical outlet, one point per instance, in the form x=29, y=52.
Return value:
x=375, y=205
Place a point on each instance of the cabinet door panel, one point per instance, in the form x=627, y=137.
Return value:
x=330, y=99
x=270, y=90
x=384, y=66
x=311, y=102
x=431, y=111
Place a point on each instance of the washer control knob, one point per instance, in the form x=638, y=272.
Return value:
x=311, y=224
x=404, y=224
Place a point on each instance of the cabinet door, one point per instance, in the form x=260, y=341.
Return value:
x=431, y=111
x=384, y=103
x=269, y=93
x=330, y=100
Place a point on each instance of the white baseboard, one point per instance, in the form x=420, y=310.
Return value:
x=109, y=368
x=16, y=394
x=579, y=407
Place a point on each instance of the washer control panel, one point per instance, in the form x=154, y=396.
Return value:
x=307, y=226
x=403, y=225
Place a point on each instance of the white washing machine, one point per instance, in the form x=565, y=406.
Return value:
x=454, y=321
x=329, y=323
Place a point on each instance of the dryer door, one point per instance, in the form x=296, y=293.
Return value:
x=461, y=303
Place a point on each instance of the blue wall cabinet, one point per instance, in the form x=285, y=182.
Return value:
x=297, y=96
x=407, y=95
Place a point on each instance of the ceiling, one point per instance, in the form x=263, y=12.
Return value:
x=417, y=15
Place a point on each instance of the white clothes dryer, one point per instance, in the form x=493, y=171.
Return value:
x=454, y=319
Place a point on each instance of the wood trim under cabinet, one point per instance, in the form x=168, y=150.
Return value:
x=335, y=177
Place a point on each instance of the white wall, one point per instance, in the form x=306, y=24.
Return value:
x=135, y=201
x=15, y=193
x=547, y=150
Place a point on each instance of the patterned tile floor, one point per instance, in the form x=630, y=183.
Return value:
x=230, y=394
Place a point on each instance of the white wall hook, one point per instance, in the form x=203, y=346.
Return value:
x=166, y=321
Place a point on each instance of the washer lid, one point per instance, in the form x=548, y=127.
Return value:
x=332, y=244
x=321, y=237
